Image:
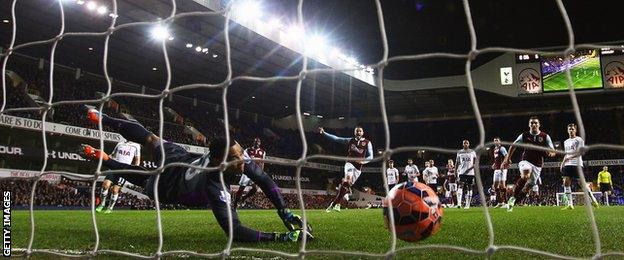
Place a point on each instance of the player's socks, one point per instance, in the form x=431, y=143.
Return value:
x=459, y=197
x=594, y=202
x=468, y=199
x=343, y=190
x=114, y=198
x=329, y=208
x=511, y=203
x=103, y=195
x=568, y=195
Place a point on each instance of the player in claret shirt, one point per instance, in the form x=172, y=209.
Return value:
x=531, y=162
x=359, y=148
x=254, y=152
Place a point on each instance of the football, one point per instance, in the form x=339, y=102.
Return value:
x=417, y=211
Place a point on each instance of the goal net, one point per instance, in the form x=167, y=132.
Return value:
x=117, y=25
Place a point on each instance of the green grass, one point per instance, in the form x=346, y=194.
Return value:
x=543, y=228
x=586, y=75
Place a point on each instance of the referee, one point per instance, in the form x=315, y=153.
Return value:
x=605, y=183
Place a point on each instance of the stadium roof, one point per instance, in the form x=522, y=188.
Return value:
x=413, y=27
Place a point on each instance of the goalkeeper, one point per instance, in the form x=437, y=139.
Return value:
x=192, y=187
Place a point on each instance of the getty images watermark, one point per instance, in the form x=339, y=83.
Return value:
x=6, y=223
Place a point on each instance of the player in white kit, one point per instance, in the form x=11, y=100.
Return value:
x=430, y=174
x=392, y=174
x=569, y=166
x=126, y=152
x=411, y=171
x=466, y=159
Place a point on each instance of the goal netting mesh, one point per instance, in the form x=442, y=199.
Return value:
x=303, y=73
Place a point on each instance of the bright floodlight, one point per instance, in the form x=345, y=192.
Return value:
x=189, y=45
x=275, y=24
x=352, y=61
x=248, y=10
x=204, y=50
x=294, y=33
x=91, y=5
x=160, y=33
x=80, y=2
x=102, y=10
x=316, y=44
x=198, y=49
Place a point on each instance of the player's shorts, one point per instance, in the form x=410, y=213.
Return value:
x=604, y=187
x=570, y=171
x=116, y=179
x=452, y=187
x=500, y=175
x=467, y=179
x=245, y=181
x=350, y=170
x=535, y=171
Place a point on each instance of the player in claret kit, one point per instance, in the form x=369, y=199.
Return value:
x=450, y=183
x=196, y=187
x=500, y=175
x=254, y=152
x=359, y=148
x=531, y=162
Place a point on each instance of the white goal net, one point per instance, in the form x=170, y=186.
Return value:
x=303, y=251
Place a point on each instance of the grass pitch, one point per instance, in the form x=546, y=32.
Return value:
x=542, y=228
x=586, y=75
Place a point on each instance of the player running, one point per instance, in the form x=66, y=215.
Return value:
x=254, y=152
x=359, y=148
x=195, y=187
x=532, y=160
